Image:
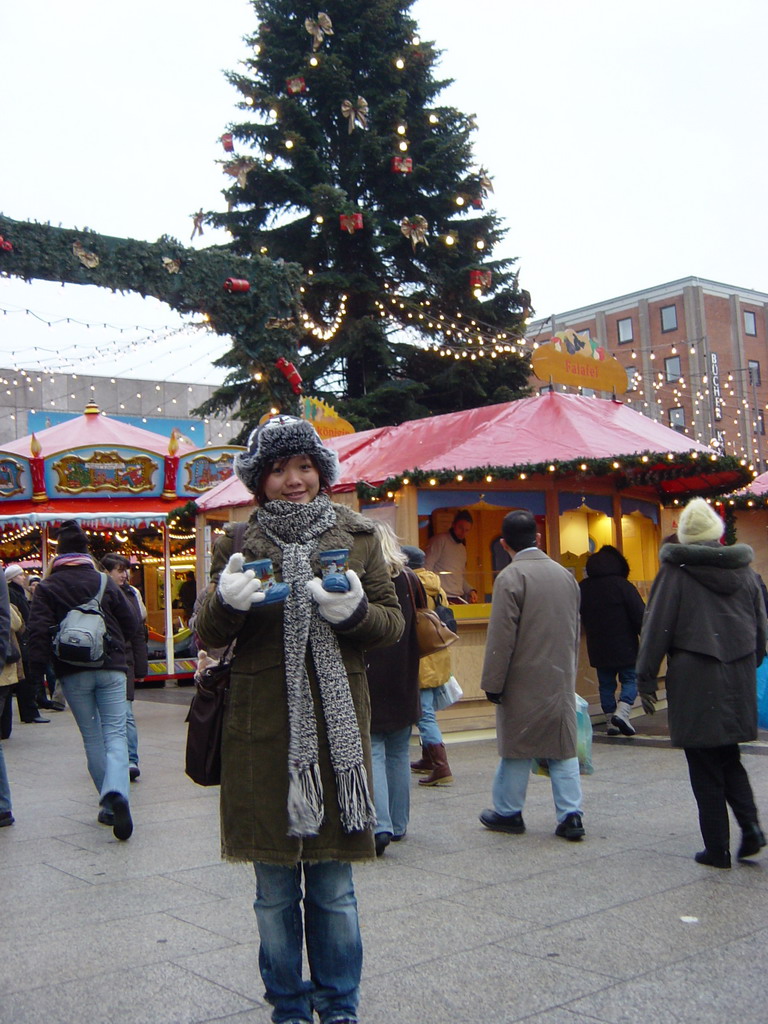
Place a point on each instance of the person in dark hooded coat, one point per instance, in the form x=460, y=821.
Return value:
x=612, y=616
x=705, y=613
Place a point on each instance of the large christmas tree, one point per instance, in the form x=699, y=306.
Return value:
x=348, y=165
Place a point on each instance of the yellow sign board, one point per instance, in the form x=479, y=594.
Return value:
x=576, y=359
x=324, y=418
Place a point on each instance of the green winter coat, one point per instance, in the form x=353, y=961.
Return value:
x=254, y=787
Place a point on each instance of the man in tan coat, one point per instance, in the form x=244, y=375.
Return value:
x=530, y=674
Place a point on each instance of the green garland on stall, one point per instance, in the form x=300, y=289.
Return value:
x=729, y=515
x=643, y=469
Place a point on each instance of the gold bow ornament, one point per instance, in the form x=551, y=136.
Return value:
x=172, y=266
x=88, y=259
x=318, y=29
x=485, y=182
x=416, y=229
x=197, y=223
x=355, y=113
x=239, y=169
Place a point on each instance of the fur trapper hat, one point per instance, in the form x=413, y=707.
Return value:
x=699, y=523
x=72, y=540
x=282, y=437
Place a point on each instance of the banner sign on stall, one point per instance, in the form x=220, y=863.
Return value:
x=576, y=359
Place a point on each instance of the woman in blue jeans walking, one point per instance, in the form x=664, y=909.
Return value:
x=95, y=693
x=296, y=769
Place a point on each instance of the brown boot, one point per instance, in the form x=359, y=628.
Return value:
x=424, y=765
x=441, y=772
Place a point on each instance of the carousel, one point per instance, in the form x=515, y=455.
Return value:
x=127, y=487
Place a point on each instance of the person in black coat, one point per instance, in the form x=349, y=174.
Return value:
x=706, y=615
x=96, y=695
x=119, y=568
x=612, y=617
x=393, y=683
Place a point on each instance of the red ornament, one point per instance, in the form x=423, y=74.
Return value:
x=290, y=373
x=351, y=222
x=236, y=284
x=480, y=279
x=227, y=142
x=5, y=245
x=402, y=165
x=295, y=84
x=477, y=202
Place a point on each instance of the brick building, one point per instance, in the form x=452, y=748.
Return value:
x=696, y=354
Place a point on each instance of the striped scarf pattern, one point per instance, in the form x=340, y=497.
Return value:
x=295, y=529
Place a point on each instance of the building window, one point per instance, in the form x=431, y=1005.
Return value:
x=545, y=390
x=754, y=372
x=677, y=418
x=668, y=318
x=760, y=423
x=631, y=377
x=750, y=323
x=624, y=328
x=672, y=370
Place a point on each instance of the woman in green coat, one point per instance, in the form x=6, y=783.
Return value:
x=295, y=796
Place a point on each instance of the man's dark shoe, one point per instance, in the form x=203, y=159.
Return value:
x=6, y=818
x=36, y=721
x=134, y=772
x=105, y=817
x=121, y=812
x=714, y=858
x=512, y=823
x=571, y=827
x=752, y=841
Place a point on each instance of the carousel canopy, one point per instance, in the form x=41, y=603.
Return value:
x=569, y=433
x=93, y=428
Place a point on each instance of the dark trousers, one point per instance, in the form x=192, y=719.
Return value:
x=719, y=779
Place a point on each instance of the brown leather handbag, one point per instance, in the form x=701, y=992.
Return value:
x=431, y=632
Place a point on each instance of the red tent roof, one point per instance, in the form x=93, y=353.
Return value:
x=94, y=429
x=550, y=427
x=528, y=432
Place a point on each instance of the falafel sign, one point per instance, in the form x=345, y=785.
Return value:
x=576, y=359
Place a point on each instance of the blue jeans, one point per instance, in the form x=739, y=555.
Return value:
x=96, y=698
x=606, y=678
x=334, y=946
x=131, y=734
x=510, y=785
x=429, y=730
x=5, y=786
x=392, y=780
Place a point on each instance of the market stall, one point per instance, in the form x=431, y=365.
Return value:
x=592, y=471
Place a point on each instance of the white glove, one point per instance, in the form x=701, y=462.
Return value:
x=337, y=608
x=237, y=589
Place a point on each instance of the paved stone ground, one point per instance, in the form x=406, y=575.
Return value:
x=461, y=925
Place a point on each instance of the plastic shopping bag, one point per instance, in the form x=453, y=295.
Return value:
x=762, y=694
x=448, y=694
x=583, y=742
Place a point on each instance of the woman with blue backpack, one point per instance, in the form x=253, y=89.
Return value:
x=78, y=620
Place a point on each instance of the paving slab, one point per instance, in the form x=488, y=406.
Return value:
x=460, y=925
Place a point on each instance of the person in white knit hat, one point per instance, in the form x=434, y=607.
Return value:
x=706, y=615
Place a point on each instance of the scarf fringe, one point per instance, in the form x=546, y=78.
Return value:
x=357, y=810
x=305, y=801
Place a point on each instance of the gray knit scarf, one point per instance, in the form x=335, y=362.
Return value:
x=295, y=529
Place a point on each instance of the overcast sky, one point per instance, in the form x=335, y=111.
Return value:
x=627, y=142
